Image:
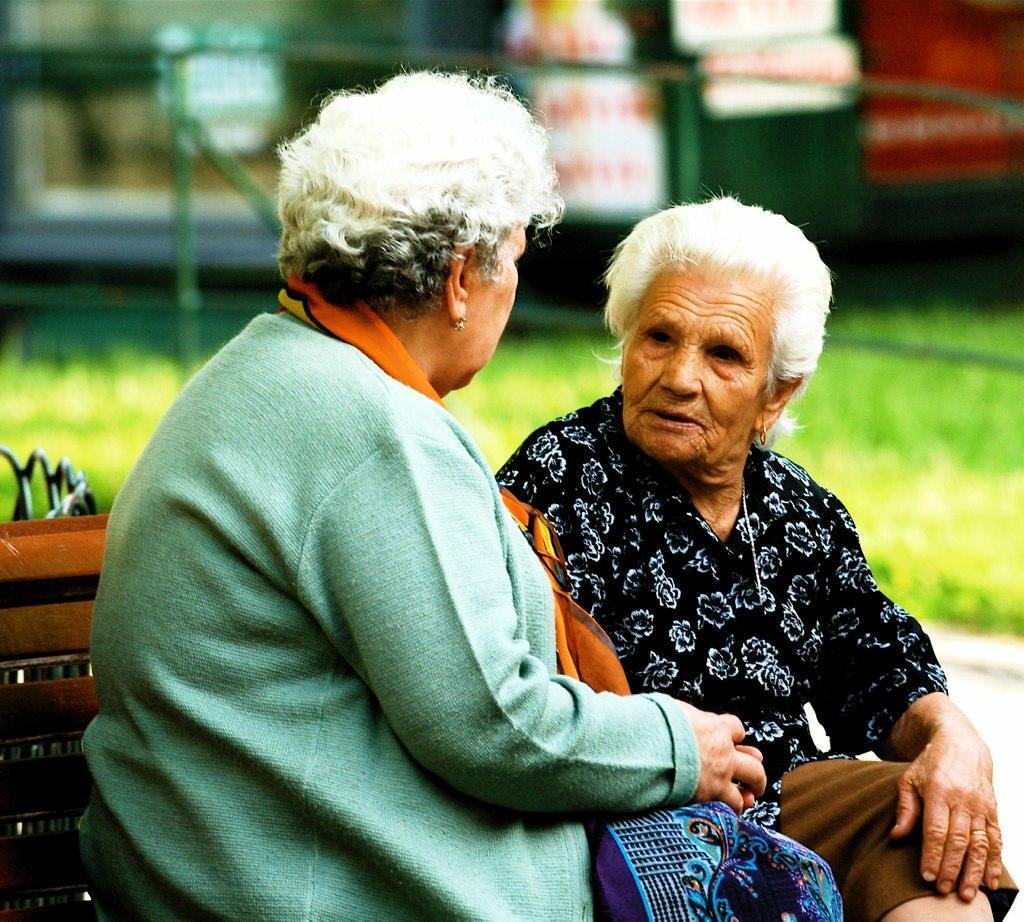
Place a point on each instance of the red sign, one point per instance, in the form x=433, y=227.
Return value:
x=967, y=44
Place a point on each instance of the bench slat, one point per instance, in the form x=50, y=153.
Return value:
x=51, y=786
x=58, y=556
x=54, y=526
x=50, y=560
x=78, y=911
x=45, y=630
x=56, y=707
x=37, y=864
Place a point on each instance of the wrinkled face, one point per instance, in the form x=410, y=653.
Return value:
x=489, y=306
x=694, y=370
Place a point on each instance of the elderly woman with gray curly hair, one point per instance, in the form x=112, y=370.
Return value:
x=325, y=654
x=728, y=578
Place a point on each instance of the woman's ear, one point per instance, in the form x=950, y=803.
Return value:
x=456, y=288
x=776, y=403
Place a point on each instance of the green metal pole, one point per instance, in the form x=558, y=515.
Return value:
x=682, y=126
x=185, y=258
x=236, y=174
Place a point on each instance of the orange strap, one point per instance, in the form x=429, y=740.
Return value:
x=584, y=650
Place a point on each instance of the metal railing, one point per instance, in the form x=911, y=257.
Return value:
x=66, y=490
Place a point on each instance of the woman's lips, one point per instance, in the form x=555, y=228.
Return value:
x=676, y=419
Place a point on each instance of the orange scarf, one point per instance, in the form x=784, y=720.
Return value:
x=584, y=650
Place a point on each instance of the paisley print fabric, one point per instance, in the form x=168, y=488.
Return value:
x=683, y=607
x=702, y=863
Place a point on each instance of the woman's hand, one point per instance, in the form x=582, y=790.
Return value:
x=948, y=787
x=729, y=771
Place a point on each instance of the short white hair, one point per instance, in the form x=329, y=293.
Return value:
x=725, y=237
x=376, y=196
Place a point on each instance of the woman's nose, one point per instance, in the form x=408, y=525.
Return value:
x=681, y=373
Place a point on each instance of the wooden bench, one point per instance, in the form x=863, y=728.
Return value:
x=49, y=570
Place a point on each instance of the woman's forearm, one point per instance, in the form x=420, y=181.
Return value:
x=410, y=575
x=920, y=723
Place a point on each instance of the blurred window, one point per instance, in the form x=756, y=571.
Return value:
x=91, y=138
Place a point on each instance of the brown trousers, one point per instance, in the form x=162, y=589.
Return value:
x=843, y=809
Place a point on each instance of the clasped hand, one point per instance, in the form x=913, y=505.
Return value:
x=729, y=771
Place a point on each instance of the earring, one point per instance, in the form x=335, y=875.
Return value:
x=459, y=325
x=764, y=438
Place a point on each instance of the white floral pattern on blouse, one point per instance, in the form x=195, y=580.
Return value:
x=683, y=607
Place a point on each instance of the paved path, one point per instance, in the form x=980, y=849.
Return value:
x=986, y=679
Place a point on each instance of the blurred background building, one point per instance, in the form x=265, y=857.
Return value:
x=137, y=139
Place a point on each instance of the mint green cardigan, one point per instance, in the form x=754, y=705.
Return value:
x=326, y=670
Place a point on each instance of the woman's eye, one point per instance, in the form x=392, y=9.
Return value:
x=658, y=336
x=726, y=353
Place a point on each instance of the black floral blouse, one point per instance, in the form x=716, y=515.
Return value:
x=684, y=608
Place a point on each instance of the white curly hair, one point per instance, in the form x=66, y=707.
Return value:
x=379, y=193
x=725, y=237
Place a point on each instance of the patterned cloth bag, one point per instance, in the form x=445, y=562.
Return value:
x=703, y=862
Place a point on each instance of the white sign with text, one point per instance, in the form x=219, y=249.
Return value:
x=696, y=24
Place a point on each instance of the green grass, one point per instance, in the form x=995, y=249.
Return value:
x=926, y=454
x=99, y=412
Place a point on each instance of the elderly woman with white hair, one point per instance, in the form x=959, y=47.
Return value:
x=728, y=578
x=325, y=654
